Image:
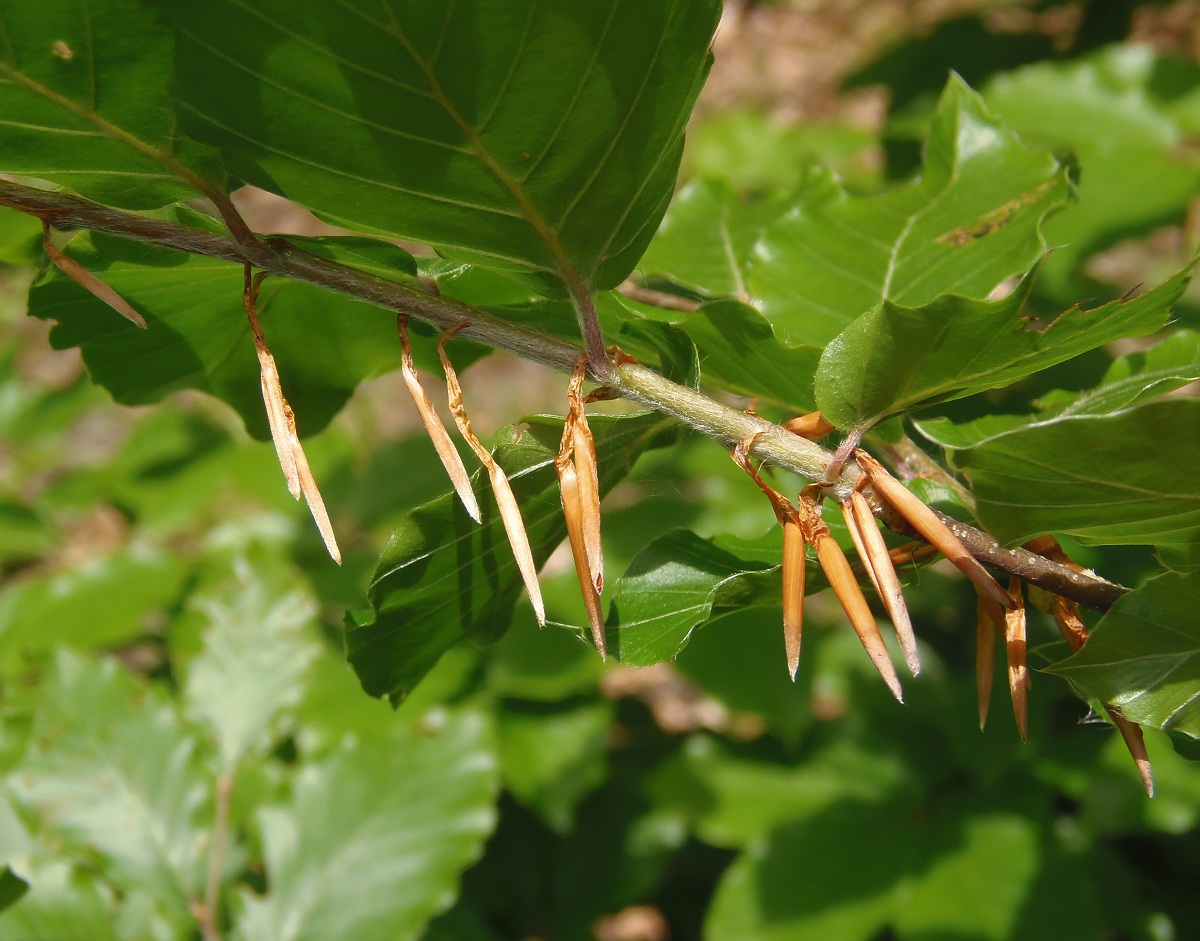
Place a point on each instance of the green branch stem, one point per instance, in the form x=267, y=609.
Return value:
x=631, y=380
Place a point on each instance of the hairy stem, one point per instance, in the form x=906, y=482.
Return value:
x=410, y=297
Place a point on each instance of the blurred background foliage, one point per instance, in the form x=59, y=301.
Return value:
x=176, y=714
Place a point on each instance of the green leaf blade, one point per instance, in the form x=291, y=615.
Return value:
x=442, y=578
x=1090, y=477
x=257, y=653
x=675, y=584
x=373, y=839
x=893, y=359
x=1144, y=656
x=536, y=137
x=969, y=222
x=83, y=94
x=110, y=768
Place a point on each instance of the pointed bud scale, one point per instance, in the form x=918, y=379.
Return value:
x=583, y=446
x=812, y=426
x=568, y=481
x=989, y=623
x=793, y=554
x=1015, y=648
x=845, y=586
x=282, y=423
x=874, y=553
x=446, y=451
x=89, y=282
x=506, y=502
x=793, y=593
x=931, y=528
x=1131, y=733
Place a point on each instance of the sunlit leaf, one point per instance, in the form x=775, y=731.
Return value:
x=1144, y=656
x=83, y=94
x=704, y=242
x=64, y=904
x=755, y=153
x=101, y=598
x=971, y=220
x=893, y=359
x=1130, y=380
x=372, y=841
x=541, y=137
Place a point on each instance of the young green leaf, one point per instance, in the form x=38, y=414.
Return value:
x=258, y=648
x=537, y=137
x=1113, y=109
x=893, y=359
x=676, y=584
x=705, y=240
x=970, y=221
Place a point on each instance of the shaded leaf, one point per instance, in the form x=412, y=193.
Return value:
x=257, y=651
x=111, y=770
x=540, y=137
x=83, y=92
x=373, y=839
x=198, y=336
x=738, y=350
x=970, y=221
x=12, y=887
x=552, y=755
x=442, y=578
x=742, y=352
x=736, y=800
x=1091, y=477
x=1144, y=656
x=858, y=869
x=20, y=237
x=893, y=359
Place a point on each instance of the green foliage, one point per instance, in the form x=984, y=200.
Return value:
x=186, y=748
x=540, y=137
x=1144, y=656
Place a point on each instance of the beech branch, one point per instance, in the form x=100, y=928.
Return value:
x=412, y=298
